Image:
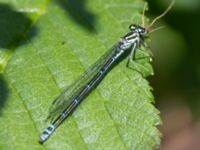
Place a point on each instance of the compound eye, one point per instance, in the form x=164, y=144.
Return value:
x=132, y=27
x=142, y=30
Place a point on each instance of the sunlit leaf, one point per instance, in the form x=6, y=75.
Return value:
x=45, y=46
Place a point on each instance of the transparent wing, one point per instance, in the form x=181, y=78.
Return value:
x=65, y=98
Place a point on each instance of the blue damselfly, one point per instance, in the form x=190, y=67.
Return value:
x=71, y=97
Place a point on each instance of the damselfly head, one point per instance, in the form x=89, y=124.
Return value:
x=138, y=29
x=146, y=29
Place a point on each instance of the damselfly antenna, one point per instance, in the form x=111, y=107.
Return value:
x=158, y=28
x=143, y=12
x=160, y=16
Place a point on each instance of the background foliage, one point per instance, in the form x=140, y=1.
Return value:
x=177, y=78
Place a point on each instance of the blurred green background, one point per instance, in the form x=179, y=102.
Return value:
x=176, y=63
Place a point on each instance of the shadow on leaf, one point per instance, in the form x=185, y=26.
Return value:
x=3, y=92
x=78, y=13
x=13, y=26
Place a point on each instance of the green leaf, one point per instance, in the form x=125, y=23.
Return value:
x=45, y=46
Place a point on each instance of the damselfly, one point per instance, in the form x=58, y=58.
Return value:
x=66, y=103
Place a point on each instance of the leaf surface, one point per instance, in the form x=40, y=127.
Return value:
x=45, y=46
